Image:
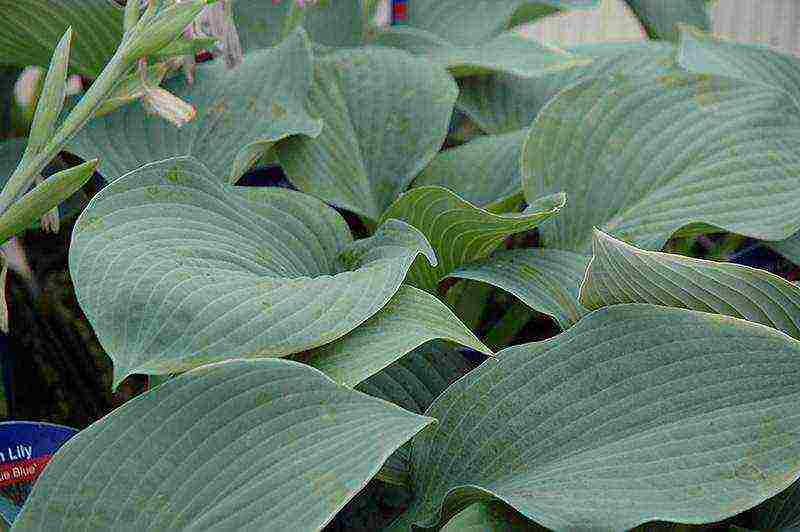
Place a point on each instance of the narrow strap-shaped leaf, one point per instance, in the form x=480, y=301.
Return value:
x=51, y=99
x=243, y=445
x=411, y=318
x=547, y=280
x=621, y=273
x=175, y=269
x=27, y=210
x=637, y=412
x=459, y=231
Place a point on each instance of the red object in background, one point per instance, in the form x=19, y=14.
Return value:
x=399, y=11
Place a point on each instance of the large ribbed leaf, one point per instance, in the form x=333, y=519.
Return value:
x=240, y=113
x=30, y=30
x=411, y=318
x=642, y=158
x=703, y=52
x=386, y=115
x=547, y=280
x=637, y=412
x=243, y=445
x=467, y=22
x=329, y=22
x=175, y=269
x=503, y=103
x=661, y=19
x=459, y=231
x=509, y=52
x=484, y=171
x=621, y=273
x=413, y=382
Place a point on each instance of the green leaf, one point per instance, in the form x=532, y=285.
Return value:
x=504, y=103
x=411, y=318
x=386, y=115
x=661, y=19
x=509, y=53
x=459, y=231
x=469, y=22
x=637, y=412
x=789, y=248
x=51, y=99
x=620, y=273
x=27, y=210
x=335, y=23
x=175, y=269
x=240, y=113
x=489, y=517
x=413, y=382
x=664, y=153
x=484, y=171
x=31, y=29
x=229, y=446
x=704, y=53
x=547, y=280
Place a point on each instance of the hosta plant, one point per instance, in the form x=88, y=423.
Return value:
x=466, y=289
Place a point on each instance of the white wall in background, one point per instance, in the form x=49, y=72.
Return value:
x=773, y=22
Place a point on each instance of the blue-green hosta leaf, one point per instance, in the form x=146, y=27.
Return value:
x=469, y=22
x=637, y=412
x=459, y=231
x=789, y=248
x=386, y=115
x=328, y=22
x=509, y=52
x=242, y=445
x=503, y=103
x=620, y=273
x=547, y=280
x=703, y=52
x=30, y=30
x=411, y=318
x=175, y=269
x=484, y=171
x=661, y=19
x=490, y=517
x=413, y=382
x=240, y=113
x=641, y=158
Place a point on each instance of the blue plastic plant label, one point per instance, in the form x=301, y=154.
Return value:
x=25, y=449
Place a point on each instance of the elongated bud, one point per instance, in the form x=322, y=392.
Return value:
x=168, y=106
x=51, y=100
